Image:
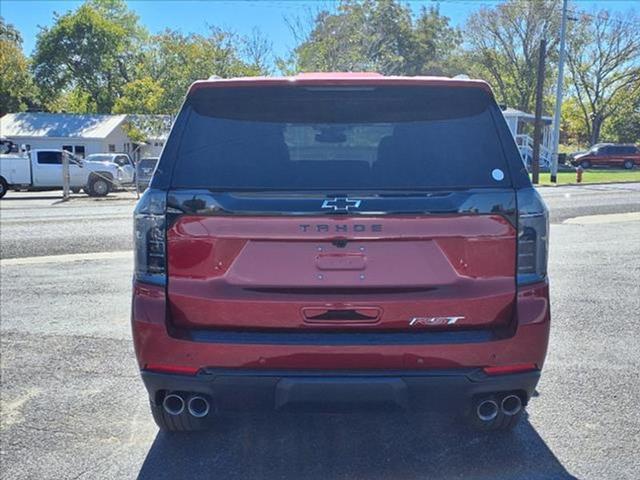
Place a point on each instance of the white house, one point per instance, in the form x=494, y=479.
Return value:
x=155, y=129
x=521, y=125
x=80, y=134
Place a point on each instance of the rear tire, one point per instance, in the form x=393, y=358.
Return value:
x=98, y=187
x=3, y=187
x=75, y=190
x=179, y=423
x=628, y=164
x=585, y=164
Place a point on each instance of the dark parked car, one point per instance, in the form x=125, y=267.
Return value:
x=340, y=241
x=609, y=155
x=144, y=172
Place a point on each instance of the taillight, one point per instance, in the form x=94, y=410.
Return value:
x=533, y=237
x=150, y=239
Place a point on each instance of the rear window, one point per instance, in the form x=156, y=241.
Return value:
x=50, y=158
x=148, y=162
x=296, y=138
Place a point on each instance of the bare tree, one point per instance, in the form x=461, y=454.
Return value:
x=257, y=50
x=604, y=63
x=504, y=46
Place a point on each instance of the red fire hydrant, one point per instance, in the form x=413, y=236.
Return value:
x=579, y=171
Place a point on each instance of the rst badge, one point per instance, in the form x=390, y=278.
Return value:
x=433, y=321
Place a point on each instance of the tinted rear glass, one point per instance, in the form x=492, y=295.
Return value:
x=295, y=138
x=50, y=158
x=148, y=163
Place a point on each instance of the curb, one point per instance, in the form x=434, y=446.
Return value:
x=554, y=185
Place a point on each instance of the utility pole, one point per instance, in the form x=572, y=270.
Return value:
x=537, y=129
x=556, y=117
x=66, y=178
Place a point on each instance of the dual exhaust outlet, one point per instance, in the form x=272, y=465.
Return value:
x=197, y=405
x=488, y=409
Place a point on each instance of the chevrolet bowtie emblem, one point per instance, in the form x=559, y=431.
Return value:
x=341, y=204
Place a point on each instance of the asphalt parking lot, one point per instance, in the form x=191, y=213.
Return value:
x=73, y=406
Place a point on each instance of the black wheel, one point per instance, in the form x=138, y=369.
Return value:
x=183, y=422
x=99, y=187
x=628, y=164
x=585, y=164
x=3, y=187
x=493, y=421
x=75, y=190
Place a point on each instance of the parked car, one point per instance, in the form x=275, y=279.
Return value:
x=122, y=160
x=334, y=241
x=609, y=155
x=42, y=169
x=144, y=172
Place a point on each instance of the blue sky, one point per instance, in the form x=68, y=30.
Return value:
x=240, y=16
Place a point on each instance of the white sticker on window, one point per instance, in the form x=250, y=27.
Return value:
x=497, y=174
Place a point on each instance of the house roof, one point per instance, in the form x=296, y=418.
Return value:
x=512, y=112
x=58, y=125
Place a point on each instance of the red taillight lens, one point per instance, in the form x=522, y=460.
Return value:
x=507, y=369
x=172, y=369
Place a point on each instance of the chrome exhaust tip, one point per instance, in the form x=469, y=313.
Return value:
x=511, y=405
x=173, y=404
x=487, y=410
x=198, y=406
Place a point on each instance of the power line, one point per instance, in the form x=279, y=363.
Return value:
x=603, y=17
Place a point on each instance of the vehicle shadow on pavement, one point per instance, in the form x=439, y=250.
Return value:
x=356, y=446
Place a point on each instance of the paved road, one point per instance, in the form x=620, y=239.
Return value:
x=73, y=405
x=35, y=224
x=572, y=201
x=32, y=225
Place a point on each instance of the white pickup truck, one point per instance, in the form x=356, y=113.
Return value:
x=42, y=170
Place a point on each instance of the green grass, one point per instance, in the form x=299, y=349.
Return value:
x=594, y=176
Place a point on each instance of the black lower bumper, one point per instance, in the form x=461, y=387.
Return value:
x=234, y=390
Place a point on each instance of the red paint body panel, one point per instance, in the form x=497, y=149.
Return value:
x=154, y=345
x=263, y=272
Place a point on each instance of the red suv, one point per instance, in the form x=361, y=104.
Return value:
x=609, y=155
x=340, y=241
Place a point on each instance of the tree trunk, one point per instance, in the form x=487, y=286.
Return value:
x=596, y=125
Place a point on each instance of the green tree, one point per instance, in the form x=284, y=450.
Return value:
x=624, y=125
x=504, y=46
x=93, y=49
x=571, y=125
x=604, y=66
x=174, y=61
x=374, y=35
x=74, y=100
x=17, y=90
x=143, y=95
x=437, y=43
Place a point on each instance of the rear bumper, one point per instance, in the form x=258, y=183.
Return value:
x=157, y=343
x=339, y=391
